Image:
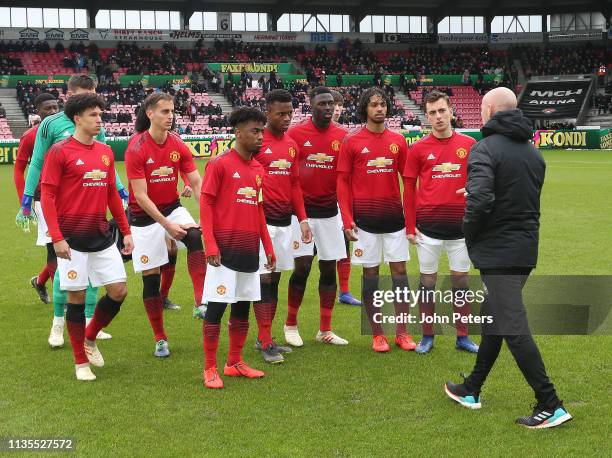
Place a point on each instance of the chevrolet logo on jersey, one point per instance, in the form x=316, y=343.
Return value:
x=380, y=162
x=95, y=175
x=247, y=192
x=446, y=167
x=320, y=158
x=282, y=164
x=163, y=171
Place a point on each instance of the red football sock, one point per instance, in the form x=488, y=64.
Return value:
x=294, y=300
x=106, y=310
x=463, y=308
x=75, y=321
x=167, y=277
x=155, y=312
x=344, y=273
x=427, y=304
x=327, y=299
x=43, y=276
x=238, y=330
x=196, y=264
x=263, y=314
x=210, y=332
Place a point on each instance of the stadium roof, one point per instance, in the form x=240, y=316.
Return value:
x=357, y=8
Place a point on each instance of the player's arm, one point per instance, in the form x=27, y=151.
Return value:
x=196, y=184
x=410, y=172
x=187, y=189
x=266, y=241
x=343, y=190
x=21, y=162
x=208, y=197
x=116, y=208
x=188, y=169
x=297, y=202
x=480, y=189
x=139, y=187
x=48, y=194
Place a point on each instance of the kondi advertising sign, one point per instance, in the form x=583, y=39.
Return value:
x=554, y=99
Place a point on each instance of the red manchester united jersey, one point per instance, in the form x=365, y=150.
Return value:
x=375, y=162
x=160, y=166
x=318, y=152
x=278, y=156
x=24, y=153
x=441, y=167
x=84, y=177
x=236, y=185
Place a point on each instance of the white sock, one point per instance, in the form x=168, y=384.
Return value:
x=58, y=320
x=87, y=321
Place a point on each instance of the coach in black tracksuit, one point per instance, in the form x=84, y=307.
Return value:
x=501, y=225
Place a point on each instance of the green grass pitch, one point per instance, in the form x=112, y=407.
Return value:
x=324, y=401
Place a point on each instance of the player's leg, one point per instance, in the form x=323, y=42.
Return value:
x=238, y=328
x=459, y=263
x=344, y=274
x=264, y=310
x=329, y=239
x=73, y=276
x=56, y=337
x=39, y=282
x=295, y=296
x=428, y=252
x=91, y=299
x=395, y=252
x=167, y=275
x=211, y=328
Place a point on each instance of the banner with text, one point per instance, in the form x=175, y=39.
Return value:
x=10, y=81
x=553, y=99
x=251, y=67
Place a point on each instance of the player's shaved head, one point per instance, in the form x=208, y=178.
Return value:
x=498, y=99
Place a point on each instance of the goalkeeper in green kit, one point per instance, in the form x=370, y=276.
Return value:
x=54, y=129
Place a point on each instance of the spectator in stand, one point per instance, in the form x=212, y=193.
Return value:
x=2, y=111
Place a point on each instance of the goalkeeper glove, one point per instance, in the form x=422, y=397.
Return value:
x=25, y=215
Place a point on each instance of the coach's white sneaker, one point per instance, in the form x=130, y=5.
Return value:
x=292, y=336
x=56, y=338
x=330, y=338
x=85, y=374
x=93, y=354
x=103, y=335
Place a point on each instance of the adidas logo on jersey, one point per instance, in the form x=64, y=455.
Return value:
x=66, y=133
x=150, y=161
x=268, y=151
x=236, y=175
x=79, y=162
x=431, y=157
x=365, y=150
x=307, y=143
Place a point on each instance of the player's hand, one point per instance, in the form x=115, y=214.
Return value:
x=462, y=191
x=187, y=191
x=128, y=245
x=271, y=264
x=351, y=233
x=25, y=214
x=214, y=260
x=306, y=232
x=176, y=231
x=62, y=250
x=412, y=238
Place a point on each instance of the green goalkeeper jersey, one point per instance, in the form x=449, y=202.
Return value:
x=53, y=129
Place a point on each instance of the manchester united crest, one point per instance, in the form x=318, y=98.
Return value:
x=292, y=151
x=72, y=275
x=296, y=245
x=105, y=160
x=394, y=148
x=144, y=259
x=221, y=290
x=336, y=145
x=461, y=153
x=258, y=180
x=175, y=156
x=358, y=253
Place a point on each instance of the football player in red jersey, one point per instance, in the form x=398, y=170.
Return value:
x=46, y=105
x=78, y=185
x=343, y=265
x=282, y=196
x=439, y=162
x=154, y=159
x=371, y=162
x=318, y=140
x=234, y=225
